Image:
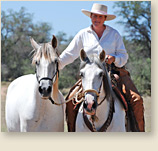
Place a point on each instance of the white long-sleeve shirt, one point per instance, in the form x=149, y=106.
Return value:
x=111, y=42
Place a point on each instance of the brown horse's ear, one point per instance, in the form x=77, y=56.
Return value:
x=83, y=55
x=54, y=42
x=102, y=56
x=34, y=43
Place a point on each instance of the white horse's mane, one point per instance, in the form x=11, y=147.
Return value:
x=45, y=50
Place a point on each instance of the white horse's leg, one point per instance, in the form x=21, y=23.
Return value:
x=118, y=122
x=11, y=115
x=23, y=125
x=80, y=124
x=13, y=126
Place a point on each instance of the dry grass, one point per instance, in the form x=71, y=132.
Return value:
x=147, y=113
x=4, y=86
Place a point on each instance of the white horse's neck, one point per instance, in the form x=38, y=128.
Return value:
x=102, y=112
x=103, y=109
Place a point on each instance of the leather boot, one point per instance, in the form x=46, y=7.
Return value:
x=71, y=113
x=135, y=101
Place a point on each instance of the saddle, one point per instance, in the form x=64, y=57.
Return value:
x=72, y=107
x=121, y=97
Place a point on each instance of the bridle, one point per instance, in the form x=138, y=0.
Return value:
x=47, y=78
x=50, y=79
x=106, y=124
x=93, y=91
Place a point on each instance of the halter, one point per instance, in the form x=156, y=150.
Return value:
x=91, y=90
x=51, y=79
x=94, y=91
x=47, y=78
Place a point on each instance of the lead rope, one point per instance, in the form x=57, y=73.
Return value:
x=75, y=96
x=53, y=102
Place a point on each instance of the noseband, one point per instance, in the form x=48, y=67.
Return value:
x=91, y=90
x=96, y=92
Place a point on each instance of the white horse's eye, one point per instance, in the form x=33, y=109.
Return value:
x=37, y=63
x=55, y=61
x=101, y=74
x=81, y=75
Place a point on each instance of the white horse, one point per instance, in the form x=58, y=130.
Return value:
x=28, y=108
x=101, y=110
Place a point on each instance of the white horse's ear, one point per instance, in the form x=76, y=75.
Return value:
x=34, y=43
x=102, y=56
x=54, y=42
x=83, y=55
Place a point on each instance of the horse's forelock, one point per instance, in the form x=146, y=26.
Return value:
x=45, y=50
x=92, y=59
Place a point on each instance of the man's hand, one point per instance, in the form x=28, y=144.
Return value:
x=109, y=59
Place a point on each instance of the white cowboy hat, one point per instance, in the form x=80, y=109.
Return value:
x=99, y=9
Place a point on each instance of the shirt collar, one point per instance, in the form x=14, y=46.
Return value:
x=89, y=29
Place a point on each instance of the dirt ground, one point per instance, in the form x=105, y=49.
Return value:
x=4, y=86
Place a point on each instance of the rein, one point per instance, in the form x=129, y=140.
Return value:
x=104, y=127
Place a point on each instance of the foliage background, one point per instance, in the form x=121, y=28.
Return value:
x=17, y=27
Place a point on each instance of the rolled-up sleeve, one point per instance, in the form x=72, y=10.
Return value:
x=71, y=52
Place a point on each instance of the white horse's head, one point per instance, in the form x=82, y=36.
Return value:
x=94, y=77
x=46, y=61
